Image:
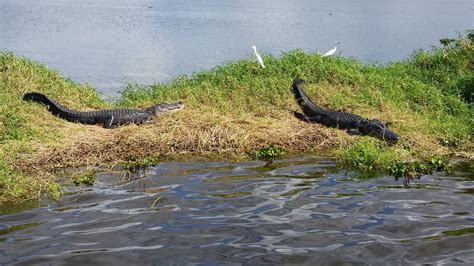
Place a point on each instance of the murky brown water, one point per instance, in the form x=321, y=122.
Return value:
x=302, y=210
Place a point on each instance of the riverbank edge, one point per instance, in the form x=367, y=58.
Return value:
x=238, y=108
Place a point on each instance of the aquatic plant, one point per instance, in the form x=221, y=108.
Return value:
x=86, y=178
x=415, y=169
x=137, y=164
x=268, y=153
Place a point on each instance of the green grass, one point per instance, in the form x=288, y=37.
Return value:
x=241, y=107
x=372, y=155
x=20, y=125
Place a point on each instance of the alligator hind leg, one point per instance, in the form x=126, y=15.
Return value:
x=301, y=116
x=315, y=119
x=305, y=118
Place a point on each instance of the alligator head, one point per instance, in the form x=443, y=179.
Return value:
x=165, y=108
x=378, y=129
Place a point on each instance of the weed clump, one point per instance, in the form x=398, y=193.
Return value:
x=416, y=169
x=268, y=153
x=411, y=170
x=136, y=164
x=87, y=178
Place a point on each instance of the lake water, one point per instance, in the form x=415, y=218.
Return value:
x=299, y=210
x=108, y=43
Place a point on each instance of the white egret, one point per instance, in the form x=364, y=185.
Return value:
x=259, y=58
x=332, y=51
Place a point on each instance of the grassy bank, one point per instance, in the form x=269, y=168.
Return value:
x=239, y=108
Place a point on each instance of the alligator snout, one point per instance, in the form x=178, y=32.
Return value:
x=390, y=136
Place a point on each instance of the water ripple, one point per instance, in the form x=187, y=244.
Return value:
x=301, y=209
x=101, y=230
x=88, y=251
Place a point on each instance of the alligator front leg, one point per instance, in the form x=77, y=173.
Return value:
x=353, y=131
x=109, y=122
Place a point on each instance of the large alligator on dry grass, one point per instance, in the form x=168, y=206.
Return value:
x=352, y=123
x=108, y=118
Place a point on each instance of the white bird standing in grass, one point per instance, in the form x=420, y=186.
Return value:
x=332, y=51
x=259, y=58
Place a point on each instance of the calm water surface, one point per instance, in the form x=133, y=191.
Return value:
x=109, y=43
x=301, y=210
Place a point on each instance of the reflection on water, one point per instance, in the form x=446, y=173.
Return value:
x=111, y=42
x=300, y=210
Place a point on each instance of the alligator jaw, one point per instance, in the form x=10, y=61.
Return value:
x=390, y=136
x=387, y=137
x=376, y=128
x=166, y=108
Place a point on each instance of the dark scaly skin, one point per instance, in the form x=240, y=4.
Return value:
x=108, y=118
x=352, y=123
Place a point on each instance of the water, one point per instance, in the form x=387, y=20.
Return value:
x=301, y=210
x=108, y=43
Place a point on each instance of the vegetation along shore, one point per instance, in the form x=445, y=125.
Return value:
x=239, y=108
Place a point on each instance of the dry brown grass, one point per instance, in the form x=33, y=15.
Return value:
x=185, y=132
x=190, y=132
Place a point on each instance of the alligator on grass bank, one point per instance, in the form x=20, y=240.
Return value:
x=352, y=123
x=108, y=118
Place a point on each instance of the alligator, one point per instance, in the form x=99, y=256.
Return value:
x=353, y=124
x=108, y=118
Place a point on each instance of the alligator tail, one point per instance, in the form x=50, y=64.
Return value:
x=54, y=107
x=309, y=108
